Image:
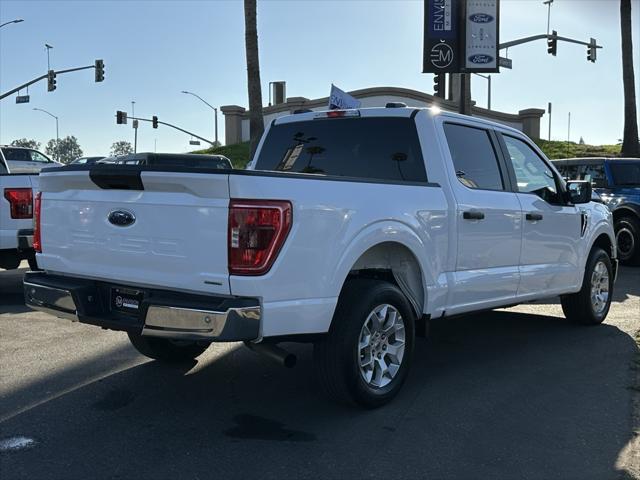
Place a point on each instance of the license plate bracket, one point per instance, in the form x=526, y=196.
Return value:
x=126, y=300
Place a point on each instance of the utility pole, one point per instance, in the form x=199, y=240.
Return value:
x=568, y=133
x=549, y=112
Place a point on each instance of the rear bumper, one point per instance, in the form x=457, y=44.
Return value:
x=161, y=313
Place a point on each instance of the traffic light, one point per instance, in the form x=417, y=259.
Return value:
x=99, y=70
x=552, y=44
x=121, y=118
x=438, y=85
x=592, y=51
x=154, y=121
x=51, y=81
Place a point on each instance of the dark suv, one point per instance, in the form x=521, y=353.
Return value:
x=617, y=181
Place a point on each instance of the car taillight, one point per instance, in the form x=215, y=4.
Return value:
x=257, y=230
x=20, y=202
x=37, y=209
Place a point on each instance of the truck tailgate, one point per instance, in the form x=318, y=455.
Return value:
x=145, y=228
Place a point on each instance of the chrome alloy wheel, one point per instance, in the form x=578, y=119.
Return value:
x=599, y=287
x=381, y=346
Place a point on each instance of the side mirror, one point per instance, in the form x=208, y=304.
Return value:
x=579, y=191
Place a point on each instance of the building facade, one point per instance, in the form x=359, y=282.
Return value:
x=237, y=118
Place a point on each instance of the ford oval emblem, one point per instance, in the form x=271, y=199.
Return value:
x=121, y=218
x=480, y=59
x=481, y=18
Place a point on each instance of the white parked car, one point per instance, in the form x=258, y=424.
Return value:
x=351, y=229
x=16, y=217
x=26, y=160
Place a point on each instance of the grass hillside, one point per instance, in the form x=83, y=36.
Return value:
x=554, y=149
x=239, y=154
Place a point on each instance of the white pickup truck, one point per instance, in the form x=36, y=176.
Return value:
x=16, y=216
x=350, y=229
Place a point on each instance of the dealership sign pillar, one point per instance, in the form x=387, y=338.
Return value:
x=461, y=37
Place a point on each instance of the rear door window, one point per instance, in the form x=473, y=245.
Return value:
x=474, y=157
x=382, y=148
x=17, y=154
x=626, y=172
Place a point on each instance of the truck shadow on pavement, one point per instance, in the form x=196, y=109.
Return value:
x=493, y=395
x=11, y=296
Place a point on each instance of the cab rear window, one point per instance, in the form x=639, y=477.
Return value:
x=380, y=148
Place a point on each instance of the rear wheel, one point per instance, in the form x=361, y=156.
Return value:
x=591, y=304
x=365, y=357
x=167, y=350
x=628, y=240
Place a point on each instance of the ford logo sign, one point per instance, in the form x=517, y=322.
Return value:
x=480, y=59
x=481, y=18
x=121, y=218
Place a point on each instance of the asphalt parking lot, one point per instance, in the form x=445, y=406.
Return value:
x=513, y=393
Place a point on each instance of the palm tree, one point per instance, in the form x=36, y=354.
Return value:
x=256, y=121
x=630, y=145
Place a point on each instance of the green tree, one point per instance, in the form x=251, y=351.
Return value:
x=64, y=150
x=256, y=120
x=121, y=147
x=27, y=143
x=630, y=144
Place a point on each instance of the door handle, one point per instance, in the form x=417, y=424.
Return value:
x=473, y=215
x=533, y=217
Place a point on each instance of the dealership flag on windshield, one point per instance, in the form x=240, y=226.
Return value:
x=339, y=99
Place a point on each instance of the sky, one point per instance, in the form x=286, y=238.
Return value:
x=153, y=50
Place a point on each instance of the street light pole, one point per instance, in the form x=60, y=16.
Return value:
x=135, y=127
x=548, y=3
x=57, y=132
x=17, y=20
x=215, y=110
x=488, y=77
x=48, y=47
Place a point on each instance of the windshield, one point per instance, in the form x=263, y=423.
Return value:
x=384, y=148
x=626, y=173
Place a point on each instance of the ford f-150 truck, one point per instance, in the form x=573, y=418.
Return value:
x=350, y=229
x=16, y=217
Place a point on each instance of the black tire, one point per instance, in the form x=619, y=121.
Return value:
x=166, y=350
x=337, y=356
x=578, y=307
x=628, y=239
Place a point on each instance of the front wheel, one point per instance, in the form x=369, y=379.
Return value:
x=591, y=304
x=628, y=240
x=167, y=350
x=365, y=357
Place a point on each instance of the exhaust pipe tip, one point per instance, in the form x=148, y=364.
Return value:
x=274, y=352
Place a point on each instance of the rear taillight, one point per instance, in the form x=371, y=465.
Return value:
x=257, y=230
x=20, y=202
x=37, y=209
